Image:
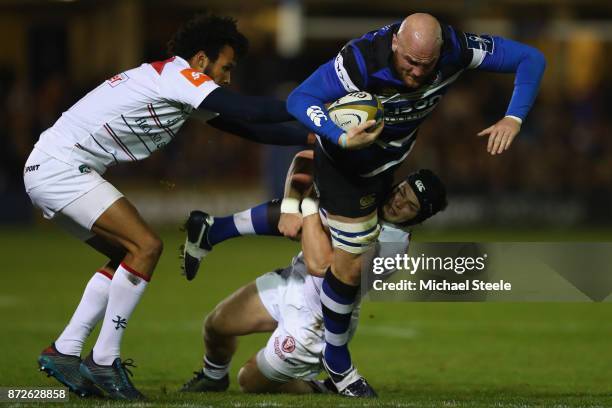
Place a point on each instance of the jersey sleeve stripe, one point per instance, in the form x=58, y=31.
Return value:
x=343, y=75
x=158, y=122
x=135, y=134
x=112, y=134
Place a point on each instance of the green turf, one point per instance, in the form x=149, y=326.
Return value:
x=414, y=354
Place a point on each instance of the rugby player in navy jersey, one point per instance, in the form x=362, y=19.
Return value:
x=409, y=66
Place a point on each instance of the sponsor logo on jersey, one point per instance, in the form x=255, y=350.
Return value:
x=406, y=111
x=31, y=168
x=288, y=344
x=315, y=113
x=83, y=168
x=367, y=201
x=195, y=77
x=117, y=79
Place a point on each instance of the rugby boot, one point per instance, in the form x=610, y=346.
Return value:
x=65, y=369
x=350, y=383
x=112, y=379
x=196, y=245
x=203, y=383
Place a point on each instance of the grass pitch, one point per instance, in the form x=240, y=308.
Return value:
x=414, y=354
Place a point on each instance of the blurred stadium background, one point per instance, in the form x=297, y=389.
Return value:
x=557, y=173
x=555, y=183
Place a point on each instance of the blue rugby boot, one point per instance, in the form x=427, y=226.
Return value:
x=65, y=369
x=112, y=379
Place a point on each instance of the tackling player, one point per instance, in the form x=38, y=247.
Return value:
x=409, y=66
x=125, y=119
x=287, y=302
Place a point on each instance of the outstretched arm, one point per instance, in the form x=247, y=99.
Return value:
x=282, y=134
x=233, y=105
x=498, y=54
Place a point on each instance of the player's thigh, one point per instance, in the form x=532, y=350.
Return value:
x=351, y=238
x=122, y=225
x=343, y=192
x=240, y=313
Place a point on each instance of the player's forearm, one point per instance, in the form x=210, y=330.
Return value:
x=307, y=104
x=299, y=176
x=316, y=246
x=527, y=83
x=282, y=134
x=528, y=63
x=233, y=105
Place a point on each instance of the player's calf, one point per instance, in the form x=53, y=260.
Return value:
x=339, y=294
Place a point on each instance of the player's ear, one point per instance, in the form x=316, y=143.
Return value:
x=394, y=43
x=199, y=61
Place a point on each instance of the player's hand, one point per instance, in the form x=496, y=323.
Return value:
x=290, y=225
x=359, y=138
x=501, y=135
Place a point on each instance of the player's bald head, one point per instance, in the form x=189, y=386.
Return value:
x=420, y=34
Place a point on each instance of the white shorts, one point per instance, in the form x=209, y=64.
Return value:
x=72, y=195
x=295, y=348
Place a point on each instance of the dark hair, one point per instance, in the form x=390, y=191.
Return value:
x=208, y=33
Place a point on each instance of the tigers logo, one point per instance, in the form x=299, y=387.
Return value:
x=288, y=344
x=195, y=77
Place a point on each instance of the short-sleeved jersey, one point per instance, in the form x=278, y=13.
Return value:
x=129, y=116
x=366, y=64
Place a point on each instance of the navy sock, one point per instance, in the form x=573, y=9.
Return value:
x=260, y=220
x=337, y=303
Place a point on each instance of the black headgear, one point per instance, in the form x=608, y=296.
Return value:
x=430, y=192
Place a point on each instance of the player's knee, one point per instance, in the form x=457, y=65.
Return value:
x=246, y=380
x=209, y=325
x=214, y=324
x=151, y=246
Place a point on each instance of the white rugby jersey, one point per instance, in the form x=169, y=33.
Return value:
x=129, y=116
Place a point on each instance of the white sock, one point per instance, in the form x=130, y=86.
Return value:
x=87, y=314
x=214, y=370
x=125, y=291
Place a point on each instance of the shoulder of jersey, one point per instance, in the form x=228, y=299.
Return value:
x=375, y=47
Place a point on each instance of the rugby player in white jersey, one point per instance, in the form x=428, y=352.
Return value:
x=287, y=302
x=125, y=119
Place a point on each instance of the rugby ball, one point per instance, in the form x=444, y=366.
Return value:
x=354, y=109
